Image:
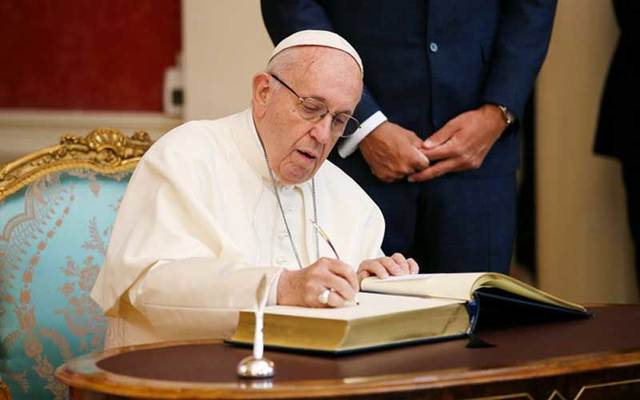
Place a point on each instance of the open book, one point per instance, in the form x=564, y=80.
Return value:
x=408, y=309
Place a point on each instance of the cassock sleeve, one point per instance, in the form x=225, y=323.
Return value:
x=197, y=296
x=186, y=273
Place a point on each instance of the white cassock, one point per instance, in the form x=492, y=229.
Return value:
x=199, y=225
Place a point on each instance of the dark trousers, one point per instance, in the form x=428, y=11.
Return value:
x=451, y=224
x=631, y=176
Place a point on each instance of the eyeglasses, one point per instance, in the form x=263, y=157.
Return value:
x=312, y=109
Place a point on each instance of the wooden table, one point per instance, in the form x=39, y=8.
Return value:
x=582, y=359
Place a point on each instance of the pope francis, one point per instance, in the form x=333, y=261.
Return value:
x=216, y=204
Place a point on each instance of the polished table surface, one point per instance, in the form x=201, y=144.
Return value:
x=574, y=359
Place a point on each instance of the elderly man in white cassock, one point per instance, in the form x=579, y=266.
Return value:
x=214, y=205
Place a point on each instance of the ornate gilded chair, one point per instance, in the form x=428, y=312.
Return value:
x=57, y=207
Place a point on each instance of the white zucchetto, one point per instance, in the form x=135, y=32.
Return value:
x=318, y=38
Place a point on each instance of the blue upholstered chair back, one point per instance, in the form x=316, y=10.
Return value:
x=53, y=238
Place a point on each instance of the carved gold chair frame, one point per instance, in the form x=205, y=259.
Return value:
x=4, y=391
x=103, y=150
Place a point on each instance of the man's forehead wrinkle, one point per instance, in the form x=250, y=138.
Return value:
x=307, y=58
x=309, y=65
x=320, y=61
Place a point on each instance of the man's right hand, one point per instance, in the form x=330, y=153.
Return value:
x=302, y=287
x=392, y=152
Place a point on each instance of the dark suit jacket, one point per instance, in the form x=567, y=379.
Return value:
x=618, y=133
x=428, y=61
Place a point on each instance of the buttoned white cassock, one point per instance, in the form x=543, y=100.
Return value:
x=199, y=225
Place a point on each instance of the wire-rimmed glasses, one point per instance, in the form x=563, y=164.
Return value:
x=312, y=109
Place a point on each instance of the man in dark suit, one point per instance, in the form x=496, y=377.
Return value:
x=618, y=133
x=445, y=83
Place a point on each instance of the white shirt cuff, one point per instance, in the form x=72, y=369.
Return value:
x=349, y=145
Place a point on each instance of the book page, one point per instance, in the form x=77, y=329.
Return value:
x=459, y=286
x=512, y=285
x=449, y=286
x=370, y=304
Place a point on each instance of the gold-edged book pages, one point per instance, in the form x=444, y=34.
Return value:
x=408, y=309
x=461, y=286
x=377, y=321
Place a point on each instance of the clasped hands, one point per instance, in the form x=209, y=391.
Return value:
x=303, y=287
x=394, y=152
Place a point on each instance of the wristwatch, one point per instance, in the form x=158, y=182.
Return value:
x=507, y=115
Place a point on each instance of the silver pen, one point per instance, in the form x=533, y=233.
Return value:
x=324, y=235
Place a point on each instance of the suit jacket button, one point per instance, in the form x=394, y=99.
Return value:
x=433, y=46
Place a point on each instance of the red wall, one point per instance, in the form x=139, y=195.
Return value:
x=86, y=54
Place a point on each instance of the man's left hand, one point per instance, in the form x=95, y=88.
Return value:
x=462, y=143
x=383, y=267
